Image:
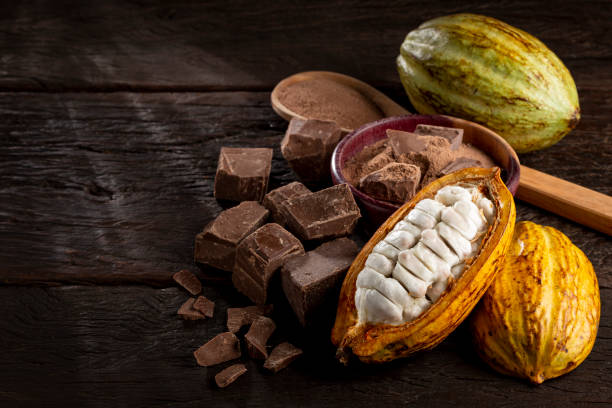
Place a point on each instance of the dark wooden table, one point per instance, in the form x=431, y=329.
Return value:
x=112, y=115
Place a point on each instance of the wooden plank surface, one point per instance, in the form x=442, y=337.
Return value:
x=113, y=187
x=122, y=45
x=124, y=346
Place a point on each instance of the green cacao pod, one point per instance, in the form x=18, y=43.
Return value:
x=481, y=69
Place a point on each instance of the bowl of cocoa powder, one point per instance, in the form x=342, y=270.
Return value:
x=387, y=161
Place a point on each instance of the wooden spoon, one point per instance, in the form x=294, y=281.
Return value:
x=577, y=203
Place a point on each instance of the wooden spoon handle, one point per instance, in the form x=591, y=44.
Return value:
x=566, y=199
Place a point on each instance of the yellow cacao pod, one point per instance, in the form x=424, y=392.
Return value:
x=380, y=342
x=539, y=318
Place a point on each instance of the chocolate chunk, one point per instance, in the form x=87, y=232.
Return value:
x=188, y=312
x=258, y=335
x=275, y=200
x=188, y=281
x=454, y=135
x=204, y=306
x=221, y=348
x=325, y=214
x=229, y=375
x=243, y=173
x=379, y=161
x=308, y=145
x=259, y=256
x=216, y=245
x=405, y=142
x=458, y=164
x=310, y=279
x=241, y=316
x=281, y=356
x=396, y=182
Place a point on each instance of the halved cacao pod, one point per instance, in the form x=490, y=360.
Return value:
x=376, y=343
x=539, y=318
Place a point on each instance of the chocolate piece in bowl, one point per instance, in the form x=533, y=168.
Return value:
x=242, y=316
x=325, y=214
x=310, y=279
x=242, y=173
x=259, y=256
x=205, y=306
x=453, y=135
x=308, y=145
x=281, y=356
x=216, y=245
x=188, y=281
x=188, y=312
x=460, y=163
x=396, y=182
x=274, y=201
x=229, y=375
x=257, y=337
x=221, y=348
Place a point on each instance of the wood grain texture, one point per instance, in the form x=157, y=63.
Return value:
x=192, y=45
x=113, y=187
x=125, y=346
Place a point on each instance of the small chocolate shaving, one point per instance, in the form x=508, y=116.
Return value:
x=257, y=337
x=223, y=347
x=229, y=375
x=241, y=316
x=188, y=281
x=204, y=306
x=187, y=312
x=281, y=356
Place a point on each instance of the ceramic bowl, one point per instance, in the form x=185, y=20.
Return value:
x=485, y=139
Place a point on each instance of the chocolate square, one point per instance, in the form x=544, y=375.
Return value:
x=310, y=279
x=204, y=306
x=281, y=356
x=328, y=213
x=308, y=145
x=274, y=201
x=216, y=245
x=259, y=256
x=188, y=312
x=221, y=348
x=188, y=281
x=243, y=173
x=396, y=182
x=453, y=135
x=229, y=375
x=257, y=337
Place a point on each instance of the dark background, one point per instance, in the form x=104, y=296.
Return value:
x=112, y=115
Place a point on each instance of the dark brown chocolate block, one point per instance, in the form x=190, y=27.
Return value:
x=216, y=245
x=259, y=256
x=328, y=213
x=188, y=281
x=454, y=135
x=308, y=145
x=257, y=337
x=396, y=182
x=281, y=356
x=187, y=311
x=309, y=279
x=204, y=306
x=241, y=316
x=223, y=347
x=274, y=201
x=229, y=375
x=243, y=173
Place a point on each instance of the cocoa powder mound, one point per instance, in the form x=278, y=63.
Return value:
x=328, y=100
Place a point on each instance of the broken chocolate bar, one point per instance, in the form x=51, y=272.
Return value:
x=257, y=337
x=460, y=163
x=453, y=135
x=223, y=347
x=188, y=312
x=281, y=356
x=396, y=182
x=274, y=201
x=204, y=306
x=229, y=375
x=242, y=173
x=216, y=245
x=308, y=145
x=328, y=213
x=310, y=279
x=188, y=281
x=259, y=256
x=241, y=316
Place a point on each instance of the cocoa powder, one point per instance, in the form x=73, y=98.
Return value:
x=329, y=100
